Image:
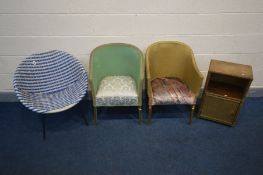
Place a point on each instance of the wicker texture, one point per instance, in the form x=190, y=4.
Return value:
x=116, y=59
x=50, y=81
x=172, y=59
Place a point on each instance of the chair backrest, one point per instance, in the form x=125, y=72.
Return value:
x=168, y=59
x=47, y=72
x=115, y=59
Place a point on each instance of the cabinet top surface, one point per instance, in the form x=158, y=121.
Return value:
x=232, y=69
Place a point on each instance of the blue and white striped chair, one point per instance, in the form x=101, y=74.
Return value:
x=50, y=82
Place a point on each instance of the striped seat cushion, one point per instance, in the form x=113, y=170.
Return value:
x=171, y=91
x=50, y=81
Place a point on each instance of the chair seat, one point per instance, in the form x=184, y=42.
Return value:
x=55, y=101
x=171, y=91
x=117, y=91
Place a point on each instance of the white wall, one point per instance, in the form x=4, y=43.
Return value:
x=221, y=29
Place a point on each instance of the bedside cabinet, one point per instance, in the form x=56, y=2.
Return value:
x=225, y=90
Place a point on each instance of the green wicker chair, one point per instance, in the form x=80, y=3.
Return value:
x=116, y=76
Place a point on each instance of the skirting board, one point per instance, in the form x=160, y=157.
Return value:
x=11, y=96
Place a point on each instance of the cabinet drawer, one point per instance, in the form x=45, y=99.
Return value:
x=219, y=109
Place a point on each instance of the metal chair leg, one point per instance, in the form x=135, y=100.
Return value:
x=150, y=115
x=83, y=115
x=191, y=114
x=44, y=127
x=95, y=115
x=140, y=115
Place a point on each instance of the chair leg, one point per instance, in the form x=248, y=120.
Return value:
x=83, y=115
x=150, y=115
x=95, y=115
x=140, y=114
x=44, y=127
x=191, y=114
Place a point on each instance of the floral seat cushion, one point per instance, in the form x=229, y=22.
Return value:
x=171, y=91
x=117, y=91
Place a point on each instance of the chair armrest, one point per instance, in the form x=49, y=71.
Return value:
x=139, y=90
x=148, y=81
x=193, y=78
x=149, y=90
x=93, y=91
x=140, y=79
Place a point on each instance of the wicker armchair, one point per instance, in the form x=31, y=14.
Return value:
x=116, y=76
x=172, y=75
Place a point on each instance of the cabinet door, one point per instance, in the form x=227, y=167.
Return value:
x=219, y=109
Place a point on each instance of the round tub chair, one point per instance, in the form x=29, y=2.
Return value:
x=50, y=82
